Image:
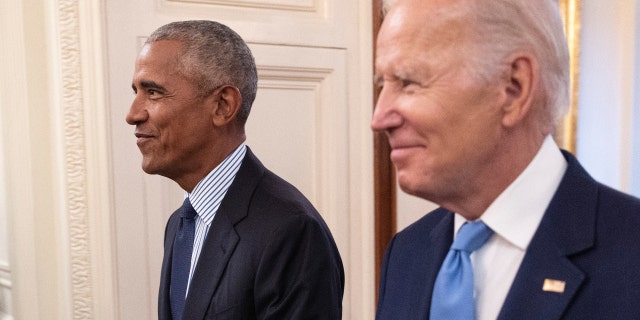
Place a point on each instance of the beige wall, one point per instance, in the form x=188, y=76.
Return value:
x=5, y=267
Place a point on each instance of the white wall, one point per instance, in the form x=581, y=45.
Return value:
x=5, y=268
x=609, y=90
x=635, y=168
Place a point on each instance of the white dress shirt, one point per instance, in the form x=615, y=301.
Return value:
x=514, y=217
x=207, y=196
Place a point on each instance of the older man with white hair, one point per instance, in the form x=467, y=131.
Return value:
x=470, y=93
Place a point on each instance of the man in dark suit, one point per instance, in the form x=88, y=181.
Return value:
x=245, y=244
x=470, y=93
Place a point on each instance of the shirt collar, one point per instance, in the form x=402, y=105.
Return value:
x=516, y=213
x=209, y=192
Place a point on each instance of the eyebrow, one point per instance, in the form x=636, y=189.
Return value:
x=149, y=85
x=378, y=78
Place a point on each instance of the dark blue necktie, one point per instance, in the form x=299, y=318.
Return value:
x=453, y=289
x=181, y=260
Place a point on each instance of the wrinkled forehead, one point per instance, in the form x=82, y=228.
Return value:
x=424, y=25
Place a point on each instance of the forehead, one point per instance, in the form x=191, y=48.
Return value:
x=422, y=29
x=159, y=57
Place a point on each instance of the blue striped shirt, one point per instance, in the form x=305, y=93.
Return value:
x=207, y=196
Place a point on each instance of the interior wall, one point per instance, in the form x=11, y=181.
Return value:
x=5, y=266
x=55, y=185
x=608, y=118
x=635, y=150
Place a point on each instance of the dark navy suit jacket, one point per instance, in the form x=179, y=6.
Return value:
x=589, y=238
x=268, y=255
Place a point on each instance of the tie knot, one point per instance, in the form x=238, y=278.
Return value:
x=472, y=235
x=187, y=212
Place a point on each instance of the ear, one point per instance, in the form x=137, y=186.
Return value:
x=228, y=101
x=522, y=80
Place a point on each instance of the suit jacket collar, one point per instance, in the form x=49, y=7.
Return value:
x=164, y=309
x=567, y=228
x=222, y=240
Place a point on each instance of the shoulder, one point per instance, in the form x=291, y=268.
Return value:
x=617, y=218
x=428, y=234
x=424, y=226
x=264, y=189
x=617, y=201
x=277, y=209
x=274, y=194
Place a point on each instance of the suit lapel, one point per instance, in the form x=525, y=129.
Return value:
x=164, y=309
x=411, y=265
x=218, y=247
x=567, y=228
x=222, y=238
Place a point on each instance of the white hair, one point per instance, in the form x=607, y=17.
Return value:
x=507, y=26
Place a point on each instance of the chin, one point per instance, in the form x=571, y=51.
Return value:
x=148, y=167
x=408, y=186
x=414, y=184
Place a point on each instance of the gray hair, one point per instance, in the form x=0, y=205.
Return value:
x=506, y=26
x=213, y=55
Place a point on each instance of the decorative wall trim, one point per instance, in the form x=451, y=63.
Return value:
x=566, y=134
x=5, y=283
x=75, y=166
x=311, y=80
x=287, y=5
x=293, y=73
x=5, y=277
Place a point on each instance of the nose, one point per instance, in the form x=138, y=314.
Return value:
x=385, y=115
x=137, y=112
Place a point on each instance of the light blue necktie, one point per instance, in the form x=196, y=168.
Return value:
x=181, y=259
x=453, y=290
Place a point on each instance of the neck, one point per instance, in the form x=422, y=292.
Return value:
x=215, y=155
x=511, y=159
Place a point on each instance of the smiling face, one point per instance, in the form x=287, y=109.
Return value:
x=443, y=123
x=173, y=122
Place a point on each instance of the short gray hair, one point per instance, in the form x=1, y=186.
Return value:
x=213, y=55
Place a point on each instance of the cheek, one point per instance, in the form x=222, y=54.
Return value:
x=420, y=113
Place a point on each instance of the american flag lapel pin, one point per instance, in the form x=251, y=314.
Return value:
x=552, y=285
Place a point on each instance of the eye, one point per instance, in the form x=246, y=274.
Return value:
x=406, y=82
x=154, y=93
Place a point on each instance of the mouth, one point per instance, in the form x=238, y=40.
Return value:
x=143, y=137
x=400, y=152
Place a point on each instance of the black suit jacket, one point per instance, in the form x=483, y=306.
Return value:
x=589, y=237
x=268, y=255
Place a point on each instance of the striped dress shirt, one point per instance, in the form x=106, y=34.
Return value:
x=207, y=196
